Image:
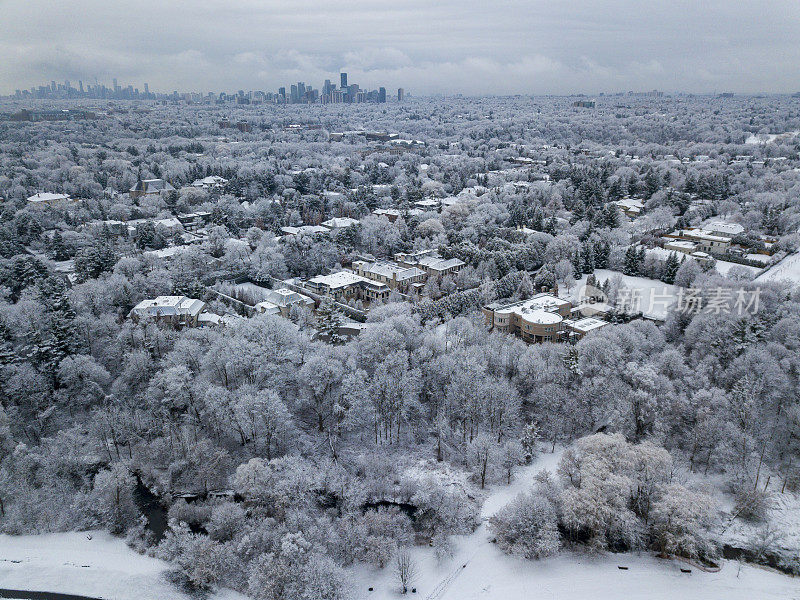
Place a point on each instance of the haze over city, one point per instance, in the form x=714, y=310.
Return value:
x=466, y=46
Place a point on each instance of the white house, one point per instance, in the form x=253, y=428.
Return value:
x=176, y=310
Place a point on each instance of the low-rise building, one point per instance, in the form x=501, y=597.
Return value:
x=397, y=277
x=210, y=182
x=630, y=206
x=538, y=319
x=280, y=302
x=174, y=310
x=149, y=187
x=42, y=199
x=578, y=328
x=311, y=230
x=707, y=241
x=430, y=262
x=682, y=246
x=724, y=228
x=344, y=285
x=337, y=223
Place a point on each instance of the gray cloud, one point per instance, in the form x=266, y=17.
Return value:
x=468, y=46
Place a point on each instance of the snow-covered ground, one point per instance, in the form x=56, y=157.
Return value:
x=769, y=138
x=784, y=527
x=722, y=266
x=102, y=567
x=491, y=575
x=788, y=269
x=653, y=298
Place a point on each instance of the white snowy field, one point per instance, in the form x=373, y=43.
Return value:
x=490, y=574
x=102, y=567
x=786, y=270
x=654, y=298
x=721, y=266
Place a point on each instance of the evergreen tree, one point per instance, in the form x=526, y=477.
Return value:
x=671, y=266
x=611, y=216
x=577, y=264
x=58, y=250
x=631, y=264
x=602, y=252
x=329, y=320
x=588, y=263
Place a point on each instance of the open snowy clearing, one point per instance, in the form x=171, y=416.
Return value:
x=102, y=567
x=721, y=266
x=654, y=298
x=786, y=270
x=490, y=574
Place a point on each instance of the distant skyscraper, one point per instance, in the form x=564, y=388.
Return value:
x=116, y=87
x=400, y=94
x=343, y=77
x=382, y=95
x=146, y=88
x=80, y=86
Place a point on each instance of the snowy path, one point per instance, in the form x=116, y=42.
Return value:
x=479, y=571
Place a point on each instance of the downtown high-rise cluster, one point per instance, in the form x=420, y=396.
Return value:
x=298, y=93
x=330, y=93
x=98, y=91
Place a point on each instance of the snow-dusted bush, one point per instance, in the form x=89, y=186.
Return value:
x=226, y=521
x=681, y=520
x=527, y=526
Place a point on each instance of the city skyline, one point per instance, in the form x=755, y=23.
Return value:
x=467, y=47
x=295, y=93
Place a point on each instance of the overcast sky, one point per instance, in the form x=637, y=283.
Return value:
x=425, y=46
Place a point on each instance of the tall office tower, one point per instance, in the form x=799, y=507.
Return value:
x=282, y=94
x=400, y=94
x=53, y=86
x=146, y=88
x=67, y=86
x=294, y=93
x=301, y=91
x=80, y=86
x=382, y=95
x=326, y=89
x=343, y=77
x=116, y=87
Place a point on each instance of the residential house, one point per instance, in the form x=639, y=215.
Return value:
x=538, y=319
x=42, y=199
x=430, y=262
x=397, y=277
x=724, y=228
x=577, y=329
x=630, y=206
x=344, y=285
x=280, y=302
x=149, y=187
x=174, y=310
x=337, y=223
x=706, y=241
x=311, y=230
x=210, y=182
